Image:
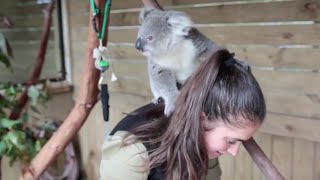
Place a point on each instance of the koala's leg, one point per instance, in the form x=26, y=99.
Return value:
x=163, y=84
x=152, y=70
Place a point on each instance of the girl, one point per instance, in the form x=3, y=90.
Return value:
x=219, y=106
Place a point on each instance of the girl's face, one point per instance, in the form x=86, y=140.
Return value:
x=224, y=138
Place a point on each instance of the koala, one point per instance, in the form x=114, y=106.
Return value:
x=174, y=49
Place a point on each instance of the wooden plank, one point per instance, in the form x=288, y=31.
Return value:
x=262, y=35
x=263, y=56
x=243, y=165
x=254, y=12
x=127, y=101
x=23, y=10
x=295, y=127
x=184, y=2
x=286, y=81
x=118, y=52
x=271, y=35
x=236, y=13
x=15, y=2
x=129, y=68
x=82, y=6
x=282, y=155
x=227, y=166
x=23, y=64
x=124, y=4
x=303, y=157
x=288, y=103
x=27, y=21
x=265, y=143
x=317, y=161
x=26, y=35
x=131, y=86
x=282, y=81
x=270, y=56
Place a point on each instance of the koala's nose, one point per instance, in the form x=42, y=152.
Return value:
x=139, y=44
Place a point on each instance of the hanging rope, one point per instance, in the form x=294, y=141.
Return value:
x=100, y=54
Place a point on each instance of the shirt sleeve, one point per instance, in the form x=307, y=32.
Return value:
x=123, y=162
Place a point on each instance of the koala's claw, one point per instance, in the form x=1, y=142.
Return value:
x=155, y=101
x=168, y=109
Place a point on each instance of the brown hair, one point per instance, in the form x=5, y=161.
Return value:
x=221, y=88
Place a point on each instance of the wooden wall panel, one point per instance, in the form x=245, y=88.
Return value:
x=277, y=57
x=24, y=37
x=289, y=126
x=316, y=164
x=282, y=155
x=238, y=35
x=303, y=156
x=236, y=13
x=277, y=38
x=243, y=165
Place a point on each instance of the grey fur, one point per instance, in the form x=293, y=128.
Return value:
x=174, y=48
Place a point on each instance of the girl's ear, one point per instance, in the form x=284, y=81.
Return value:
x=203, y=116
x=204, y=121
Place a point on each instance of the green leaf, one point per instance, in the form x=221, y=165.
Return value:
x=7, y=123
x=25, y=117
x=44, y=97
x=38, y=146
x=17, y=138
x=33, y=94
x=11, y=91
x=3, y=148
x=34, y=109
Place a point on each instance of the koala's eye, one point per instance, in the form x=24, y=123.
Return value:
x=150, y=38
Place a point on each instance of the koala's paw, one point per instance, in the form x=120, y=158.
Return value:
x=168, y=109
x=155, y=101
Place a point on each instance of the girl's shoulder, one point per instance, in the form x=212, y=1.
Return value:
x=120, y=161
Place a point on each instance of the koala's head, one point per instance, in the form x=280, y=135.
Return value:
x=161, y=31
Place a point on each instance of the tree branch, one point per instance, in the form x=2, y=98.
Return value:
x=262, y=161
x=71, y=125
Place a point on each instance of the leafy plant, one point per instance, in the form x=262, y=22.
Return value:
x=19, y=138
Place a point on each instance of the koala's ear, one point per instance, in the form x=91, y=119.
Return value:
x=180, y=23
x=144, y=13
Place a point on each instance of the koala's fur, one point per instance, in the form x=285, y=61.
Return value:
x=174, y=49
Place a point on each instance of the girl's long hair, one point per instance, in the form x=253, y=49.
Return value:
x=221, y=88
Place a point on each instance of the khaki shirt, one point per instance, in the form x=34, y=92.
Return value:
x=127, y=162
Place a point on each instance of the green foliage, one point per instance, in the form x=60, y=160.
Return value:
x=18, y=139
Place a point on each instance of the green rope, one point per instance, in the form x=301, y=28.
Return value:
x=95, y=11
